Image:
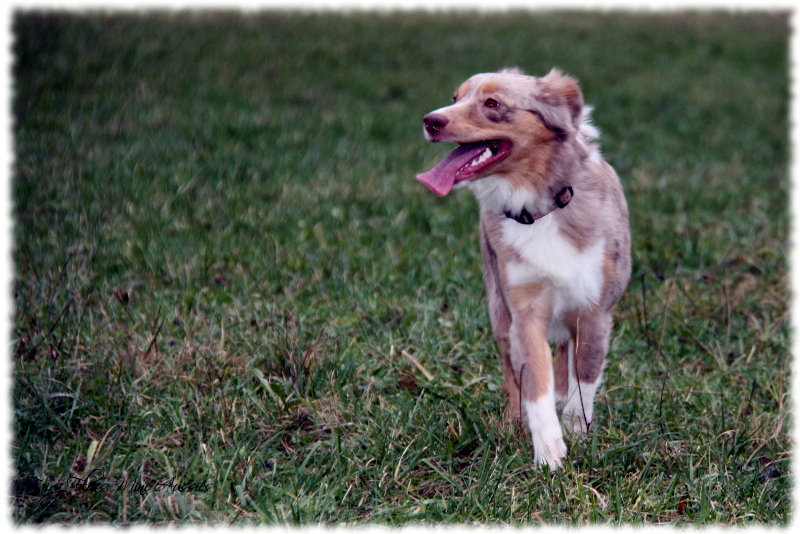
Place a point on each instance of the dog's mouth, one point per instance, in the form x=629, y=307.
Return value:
x=463, y=163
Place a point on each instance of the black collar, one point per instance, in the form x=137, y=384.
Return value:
x=561, y=199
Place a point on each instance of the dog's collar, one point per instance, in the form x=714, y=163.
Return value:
x=561, y=199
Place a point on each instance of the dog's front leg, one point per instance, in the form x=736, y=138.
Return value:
x=500, y=317
x=532, y=361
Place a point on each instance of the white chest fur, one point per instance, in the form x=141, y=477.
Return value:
x=496, y=195
x=547, y=257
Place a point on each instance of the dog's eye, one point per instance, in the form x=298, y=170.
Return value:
x=455, y=97
x=491, y=103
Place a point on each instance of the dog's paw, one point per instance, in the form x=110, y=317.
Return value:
x=576, y=421
x=548, y=439
x=549, y=450
x=579, y=408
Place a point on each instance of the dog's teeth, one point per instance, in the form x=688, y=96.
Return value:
x=486, y=155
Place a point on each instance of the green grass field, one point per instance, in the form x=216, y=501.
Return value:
x=225, y=271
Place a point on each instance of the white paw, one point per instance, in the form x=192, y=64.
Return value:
x=577, y=421
x=549, y=450
x=548, y=440
x=579, y=407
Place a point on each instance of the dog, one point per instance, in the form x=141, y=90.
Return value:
x=555, y=239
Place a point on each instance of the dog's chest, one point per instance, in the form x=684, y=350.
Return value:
x=544, y=255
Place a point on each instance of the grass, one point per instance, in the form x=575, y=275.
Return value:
x=225, y=270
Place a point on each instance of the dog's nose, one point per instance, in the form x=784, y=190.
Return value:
x=434, y=122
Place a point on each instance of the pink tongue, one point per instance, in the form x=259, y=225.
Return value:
x=441, y=178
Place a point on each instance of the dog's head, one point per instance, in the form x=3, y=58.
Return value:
x=499, y=121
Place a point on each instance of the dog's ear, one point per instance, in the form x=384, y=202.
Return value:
x=557, y=101
x=562, y=90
